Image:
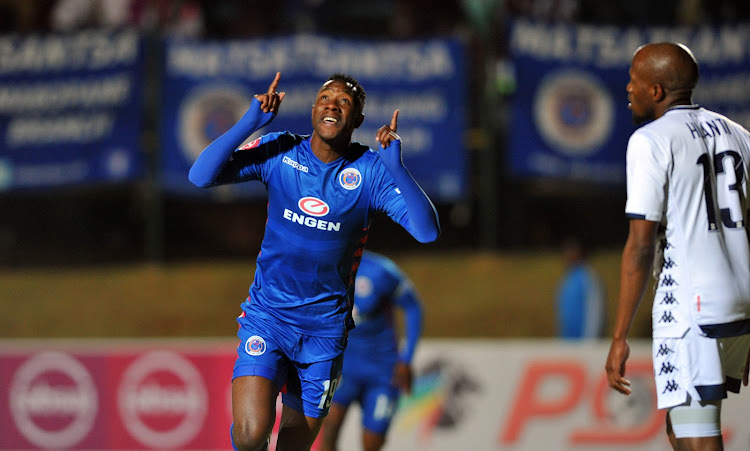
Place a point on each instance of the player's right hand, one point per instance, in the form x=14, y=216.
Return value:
x=619, y=352
x=271, y=100
x=403, y=377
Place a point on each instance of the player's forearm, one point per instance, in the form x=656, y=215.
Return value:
x=423, y=223
x=413, y=326
x=210, y=162
x=637, y=259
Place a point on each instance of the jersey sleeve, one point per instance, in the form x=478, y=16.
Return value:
x=251, y=161
x=212, y=167
x=406, y=298
x=647, y=169
x=404, y=202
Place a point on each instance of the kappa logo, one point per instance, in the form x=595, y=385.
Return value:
x=668, y=281
x=667, y=368
x=669, y=299
x=667, y=317
x=671, y=386
x=295, y=164
x=255, y=345
x=350, y=178
x=313, y=206
x=663, y=350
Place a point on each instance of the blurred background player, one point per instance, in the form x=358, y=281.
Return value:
x=581, y=296
x=375, y=371
x=323, y=192
x=687, y=168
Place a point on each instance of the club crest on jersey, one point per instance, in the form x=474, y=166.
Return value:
x=313, y=206
x=255, y=345
x=350, y=178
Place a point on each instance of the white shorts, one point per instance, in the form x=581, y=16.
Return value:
x=697, y=366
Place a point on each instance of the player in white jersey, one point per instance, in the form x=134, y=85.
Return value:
x=687, y=174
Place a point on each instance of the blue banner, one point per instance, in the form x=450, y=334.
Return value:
x=70, y=109
x=208, y=86
x=570, y=111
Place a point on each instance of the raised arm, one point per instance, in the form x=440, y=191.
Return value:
x=210, y=162
x=424, y=224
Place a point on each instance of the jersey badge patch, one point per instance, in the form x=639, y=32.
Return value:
x=350, y=178
x=251, y=145
x=255, y=345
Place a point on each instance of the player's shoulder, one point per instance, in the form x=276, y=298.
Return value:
x=361, y=154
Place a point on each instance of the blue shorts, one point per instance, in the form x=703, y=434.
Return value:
x=305, y=368
x=378, y=399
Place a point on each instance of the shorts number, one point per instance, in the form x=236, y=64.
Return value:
x=730, y=190
x=383, y=407
x=329, y=388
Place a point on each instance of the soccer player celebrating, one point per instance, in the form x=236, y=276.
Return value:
x=323, y=192
x=687, y=170
x=375, y=371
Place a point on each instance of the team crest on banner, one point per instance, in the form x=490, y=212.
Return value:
x=207, y=114
x=573, y=112
x=350, y=178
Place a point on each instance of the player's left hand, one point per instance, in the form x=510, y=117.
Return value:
x=402, y=377
x=390, y=142
x=619, y=352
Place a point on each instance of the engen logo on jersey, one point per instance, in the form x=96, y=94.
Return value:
x=162, y=400
x=350, y=178
x=315, y=208
x=53, y=400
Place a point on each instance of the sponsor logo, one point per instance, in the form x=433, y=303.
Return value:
x=53, y=400
x=294, y=164
x=255, y=345
x=251, y=145
x=350, y=178
x=574, y=112
x=162, y=400
x=313, y=223
x=313, y=206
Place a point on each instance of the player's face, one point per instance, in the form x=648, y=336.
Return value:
x=334, y=114
x=640, y=102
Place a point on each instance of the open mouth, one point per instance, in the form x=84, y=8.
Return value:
x=330, y=120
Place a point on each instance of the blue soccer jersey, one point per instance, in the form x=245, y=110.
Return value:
x=372, y=351
x=318, y=219
x=316, y=232
x=380, y=287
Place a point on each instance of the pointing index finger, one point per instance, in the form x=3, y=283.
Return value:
x=394, y=121
x=274, y=83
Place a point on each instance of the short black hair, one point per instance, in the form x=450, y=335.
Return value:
x=359, y=91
